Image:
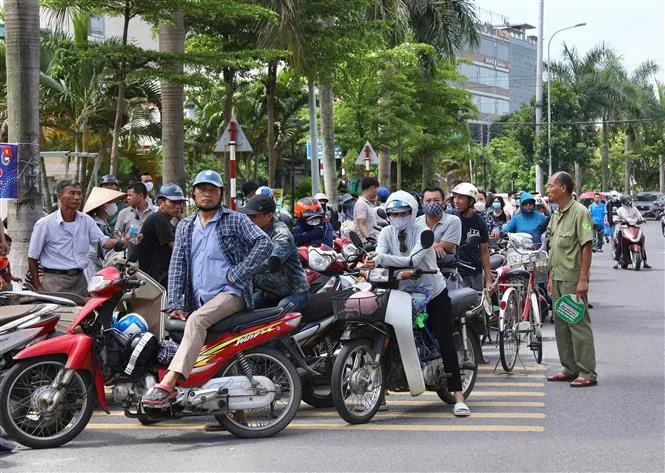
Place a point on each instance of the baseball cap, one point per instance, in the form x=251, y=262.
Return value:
x=259, y=204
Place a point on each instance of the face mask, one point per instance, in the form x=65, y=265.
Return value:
x=149, y=186
x=400, y=223
x=111, y=209
x=433, y=208
x=479, y=206
x=314, y=222
x=496, y=205
x=614, y=198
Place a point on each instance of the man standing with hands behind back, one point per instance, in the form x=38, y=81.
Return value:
x=570, y=233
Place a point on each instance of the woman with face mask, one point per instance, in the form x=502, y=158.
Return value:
x=399, y=246
x=481, y=208
x=498, y=214
x=101, y=206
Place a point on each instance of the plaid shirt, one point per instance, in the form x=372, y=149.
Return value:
x=243, y=244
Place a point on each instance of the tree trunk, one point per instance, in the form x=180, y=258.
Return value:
x=578, y=178
x=661, y=173
x=398, y=184
x=384, y=167
x=423, y=175
x=172, y=40
x=44, y=183
x=628, y=163
x=271, y=90
x=22, y=56
x=83, y=170
x=120, y=98
x=328, y=135
x=605, y=159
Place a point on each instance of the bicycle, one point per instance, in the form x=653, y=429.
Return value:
x=519, y=310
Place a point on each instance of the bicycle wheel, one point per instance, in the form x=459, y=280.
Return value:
x=509, y=341
x=535, y=334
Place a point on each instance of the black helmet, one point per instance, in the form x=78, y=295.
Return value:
x=627, y=200
x=171, y=192
x=109, y=179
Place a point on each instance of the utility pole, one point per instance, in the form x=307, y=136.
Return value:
x=313, y=138
x=539, y=95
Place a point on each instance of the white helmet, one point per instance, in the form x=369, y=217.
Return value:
x=467, y=189
x=321, y=196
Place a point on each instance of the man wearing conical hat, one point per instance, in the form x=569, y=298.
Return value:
x=101, y=206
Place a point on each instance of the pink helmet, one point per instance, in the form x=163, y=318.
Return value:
x=364, y=302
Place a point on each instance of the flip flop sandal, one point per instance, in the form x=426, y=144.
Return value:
x=159, y=396
x=461, y=410
x=559, y=378
x=583, y=383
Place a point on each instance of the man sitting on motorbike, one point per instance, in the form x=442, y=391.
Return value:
x=625, y=212
x=311, y=228
x=527, y=220
x=395, y=247
x=288, y=284
x=216, y=253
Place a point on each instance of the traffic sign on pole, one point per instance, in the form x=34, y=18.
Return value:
x=367, y=156
x=241, y=142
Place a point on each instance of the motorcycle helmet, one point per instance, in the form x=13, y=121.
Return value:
x=208, y=177
x=397, y=206
x=321, y=197
x=362, y=303
x=466, y=189
x=109, y=179
x=131, y=324
x=307, y=208
x=139, y=352
x=171, y=192
x=383, y=194
x=627, y=200
x=265, y=191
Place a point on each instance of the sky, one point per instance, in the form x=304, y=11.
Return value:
x=634, y=28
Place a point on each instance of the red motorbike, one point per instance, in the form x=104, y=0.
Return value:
x=47, y=398
x=324, y=268
x=629, y=243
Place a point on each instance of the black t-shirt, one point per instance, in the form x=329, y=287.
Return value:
x=500, y=219
x=154, y=249
x=609, y=207
x=470, y=255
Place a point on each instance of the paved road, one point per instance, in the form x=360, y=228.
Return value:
x=519, y=422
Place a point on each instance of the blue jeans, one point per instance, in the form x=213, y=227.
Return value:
x=261, y=300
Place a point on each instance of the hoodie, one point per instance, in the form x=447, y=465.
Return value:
x=524, y=222
x=389, y=255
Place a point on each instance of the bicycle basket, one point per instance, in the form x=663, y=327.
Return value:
x=361, y=306
x=533, y=261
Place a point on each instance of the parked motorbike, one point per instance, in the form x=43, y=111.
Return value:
x=629, y=243
x=46, y=398
x=324, y=268
x=387, y=346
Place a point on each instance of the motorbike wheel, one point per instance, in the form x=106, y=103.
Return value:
x=509, y=338
x=272, y=419
x=468, y=368
x=357, y=386
x=316, y=391
x=23, y=394
x=636, y=259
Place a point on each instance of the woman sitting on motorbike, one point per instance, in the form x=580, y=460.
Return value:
x=311, y=228
x=397, y=246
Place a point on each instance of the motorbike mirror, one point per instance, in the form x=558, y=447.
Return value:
x=381, y=212
x=274, y=264
x=427, y=239
x=356, y=240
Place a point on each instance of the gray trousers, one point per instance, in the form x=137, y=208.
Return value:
x=196, y=329
x=577, y=351
x=76, y=284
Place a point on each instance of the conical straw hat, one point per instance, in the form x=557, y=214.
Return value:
x=100, y=196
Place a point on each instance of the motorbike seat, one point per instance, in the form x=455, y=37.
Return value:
x=517, y=273
x=496, y=261
x=463, y=299
x=318, y=306
x=233, y=323
x=9, y=313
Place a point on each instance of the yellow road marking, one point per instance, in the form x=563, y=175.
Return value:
x=433, y=415
x=374, y=427
x=497, y=394
x=510, y=376
x=516, y=371
x=499, y=384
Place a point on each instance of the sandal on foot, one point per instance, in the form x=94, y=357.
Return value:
x=460, y=409
x=159, y=396
x=583, y=383
x=560, y=377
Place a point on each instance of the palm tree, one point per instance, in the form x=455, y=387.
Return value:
x=22, y=55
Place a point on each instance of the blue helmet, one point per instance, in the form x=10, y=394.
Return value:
x=383, y=194
x=209, y=177
x=171, y=192
x=131, y=324
x=265, y=191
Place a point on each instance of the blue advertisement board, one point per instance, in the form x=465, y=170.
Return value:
x=8, y=171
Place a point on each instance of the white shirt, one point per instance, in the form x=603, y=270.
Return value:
x=64, y=245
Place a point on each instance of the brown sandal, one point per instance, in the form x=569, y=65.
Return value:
x=560, y=377
x=583, y=383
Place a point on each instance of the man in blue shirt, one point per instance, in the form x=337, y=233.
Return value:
x=597, y=210
x=210, y=276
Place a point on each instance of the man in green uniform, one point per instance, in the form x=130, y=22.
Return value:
x=570, y=234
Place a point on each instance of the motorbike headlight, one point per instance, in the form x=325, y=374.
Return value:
x=97, y=283
x=349, y=252
x=319, y=261
x=378, y=275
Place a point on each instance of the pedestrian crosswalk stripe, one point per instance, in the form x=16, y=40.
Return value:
x=498, y=384
x=516, y=371
x=510, y=376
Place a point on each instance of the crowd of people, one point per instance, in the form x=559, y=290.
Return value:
x=216, y=262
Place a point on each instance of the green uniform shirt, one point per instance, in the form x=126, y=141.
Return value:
x=568, y=231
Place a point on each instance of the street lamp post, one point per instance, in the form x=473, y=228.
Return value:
x=549, y=93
